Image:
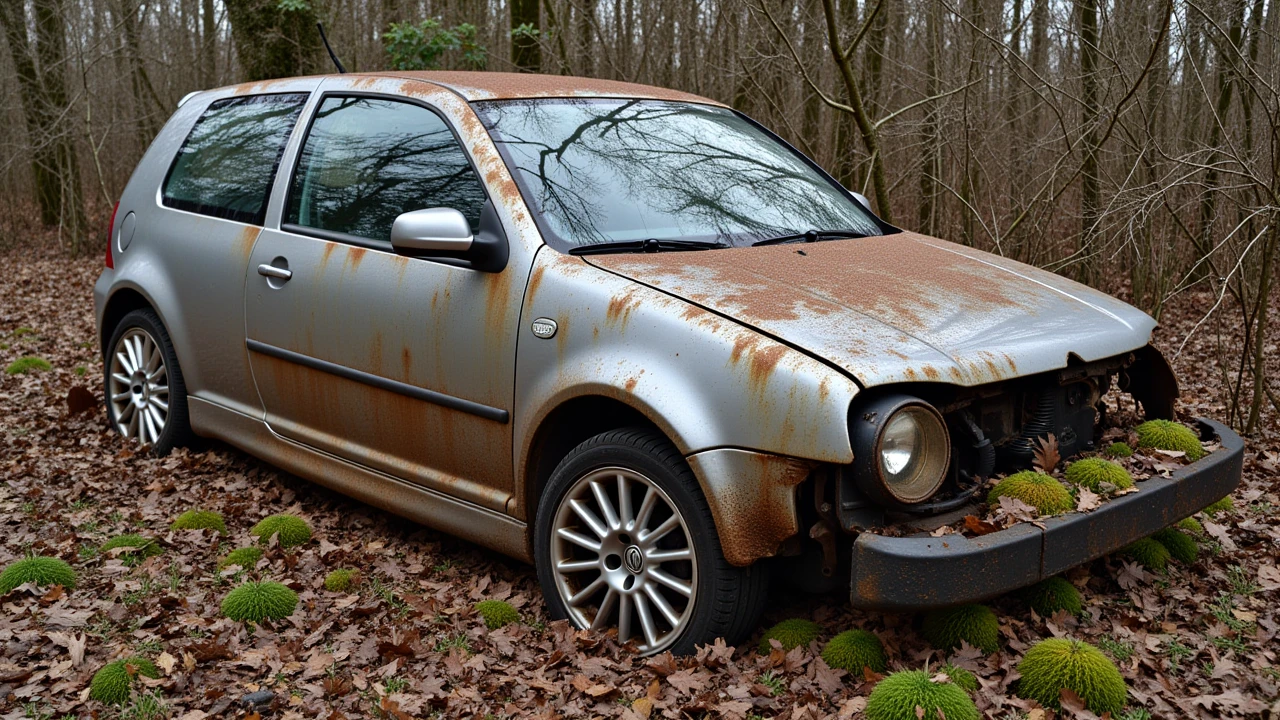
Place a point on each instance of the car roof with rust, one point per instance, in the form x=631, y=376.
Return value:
x=474, y=86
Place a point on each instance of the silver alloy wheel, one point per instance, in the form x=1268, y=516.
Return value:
x=139, y=389
x=614, y=567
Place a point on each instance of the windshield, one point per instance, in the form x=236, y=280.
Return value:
x=609, y=171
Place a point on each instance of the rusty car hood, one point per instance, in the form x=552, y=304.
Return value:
x=900, y=308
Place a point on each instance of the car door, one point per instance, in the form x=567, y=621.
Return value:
x=404, y=365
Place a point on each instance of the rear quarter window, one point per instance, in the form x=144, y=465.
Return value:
x=227, y=163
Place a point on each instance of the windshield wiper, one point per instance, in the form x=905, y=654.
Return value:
x=809, y=236
x=647, y=245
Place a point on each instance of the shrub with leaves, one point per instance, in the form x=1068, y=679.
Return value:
x=111, y=684
x=1222, y=504
x=133, y=547
x=43, y=571
x=853, y=650
x=291, y=529
x=1169, y=435
x=1096, y=474
x=1180, y=546
x=898, y=696
x=27, y=364
x=974, y=624
x=245, y=557
x=497, y=613
x=1045, y=494
x=966, y=680
x=1148, y=553
x=340, y=580
x=1119, y=449
x=257, y=601
x=1058, y=663
x=420, y=47
x=200, y=520
x=1053, y=594
x=792, y=633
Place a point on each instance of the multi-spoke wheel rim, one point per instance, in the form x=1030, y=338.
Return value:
x=139, y=387
x=623, y=558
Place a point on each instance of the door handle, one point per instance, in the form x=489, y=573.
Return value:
x=272, y=271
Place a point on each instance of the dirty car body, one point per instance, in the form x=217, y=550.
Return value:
x=455, y=339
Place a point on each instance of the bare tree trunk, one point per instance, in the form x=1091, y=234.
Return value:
x=44, y=163
x=930, y=142
x=272, y=42
x=208, y=45
x=1090, y=198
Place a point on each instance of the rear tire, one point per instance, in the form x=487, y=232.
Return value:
x=146, y=397
x=650, y=563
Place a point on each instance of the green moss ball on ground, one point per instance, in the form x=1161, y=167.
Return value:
x=293, y=530
x=1094, y=472
x=964, y=679
x=27, y=364
x=897, y=697
x=497, y=613
x=974, y=624
x=1148, y=553
x=1220, y=505
x=1119, y=449
x=792, y=633
x=1045, y=494
x=1169, y=435
x=1058, y=663
x=245, y=557
x=136, y=547
x=200, y=520
x=340, y=580
x=1180, y=546
x=112, y=683
x=43, y=571
x=1053, y=594
x=257, y=601
x=1191, y=525
x=853, y=650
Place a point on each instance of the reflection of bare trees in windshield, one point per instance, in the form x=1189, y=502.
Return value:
x=601, y=171
x=227, y=163
x=366, y=161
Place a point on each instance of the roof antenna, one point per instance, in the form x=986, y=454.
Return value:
x=325, y=40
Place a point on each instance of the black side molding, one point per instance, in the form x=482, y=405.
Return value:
x=377, y=381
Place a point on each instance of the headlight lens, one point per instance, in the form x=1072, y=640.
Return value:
x=914, y=453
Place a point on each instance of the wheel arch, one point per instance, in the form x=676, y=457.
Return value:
x=122, y=302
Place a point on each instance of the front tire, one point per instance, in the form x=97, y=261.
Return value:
x=624, y=539
x=146, y=397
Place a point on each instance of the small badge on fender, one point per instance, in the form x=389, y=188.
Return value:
x=544, y=328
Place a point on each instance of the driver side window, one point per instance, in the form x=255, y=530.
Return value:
x=367, y=160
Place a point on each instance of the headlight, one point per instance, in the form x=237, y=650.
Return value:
x=901, y=449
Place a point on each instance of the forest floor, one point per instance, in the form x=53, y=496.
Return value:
x=1199, y=641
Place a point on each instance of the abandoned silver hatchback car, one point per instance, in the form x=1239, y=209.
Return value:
x=621, y=332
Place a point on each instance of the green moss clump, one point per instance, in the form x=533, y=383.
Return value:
x=897, y=697
x=340, y=580
x=853, y=650
x=1058, y=663
x=245, y=557
x=1046, y=495
x=257, y=601
x=138, y=547
x=1180, y=546
x=200, y=520
x=497, y=613
x=112, y=683
x=974, y=624
x=1220, y=505
x=1053, y=594
x=43, y=571
x=19, y=332
x=1148, y=553
x=1119, y=449
x=1191, y=525
x=1093, y=472
x=1169, y=435
x=27, y=364
x=964, y=679
x=792, y=633
x=293, y=530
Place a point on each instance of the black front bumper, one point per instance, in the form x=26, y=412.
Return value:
x=911, y=573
